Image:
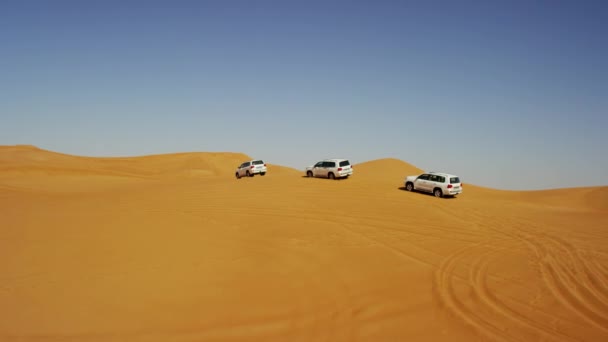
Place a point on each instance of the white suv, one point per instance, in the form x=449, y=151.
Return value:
x=251, y=168
x=439, y=184
x=330, y=168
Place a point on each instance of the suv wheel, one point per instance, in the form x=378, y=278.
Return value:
x=262, y=173
x=409, y=186
x=309, y=174
x=331, y=175
x=248, y=174
x=238, y=176
x=437, y=192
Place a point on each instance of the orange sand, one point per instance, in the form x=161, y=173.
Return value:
x=174, y=248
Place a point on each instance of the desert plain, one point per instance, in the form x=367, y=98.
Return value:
x=172, y=247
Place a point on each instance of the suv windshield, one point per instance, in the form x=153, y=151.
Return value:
x=258, y=162
x=454, y=180
x=344, y=163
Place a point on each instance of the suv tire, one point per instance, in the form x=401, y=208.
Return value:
x=437, y=192
x=331, y=175
x=409, y=186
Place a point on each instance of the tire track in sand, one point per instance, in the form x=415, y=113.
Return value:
x=478, y=276
x=444, y=287
x=577, y=282
x=487, y=304
x=593, y=279
x=570, y=290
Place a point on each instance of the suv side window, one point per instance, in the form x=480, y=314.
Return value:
x=433, y=178
x=423, y=177
x=330, y=164
x=319, y=164
x=246, y=164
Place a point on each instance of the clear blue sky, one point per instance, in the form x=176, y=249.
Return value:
x=506, y=94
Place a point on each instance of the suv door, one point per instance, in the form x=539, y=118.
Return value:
x=422, y=182
x=330, y=167
x=317, y=169
x=440, y=182
x=244, y=168
x=322, y=170
x=434, y=182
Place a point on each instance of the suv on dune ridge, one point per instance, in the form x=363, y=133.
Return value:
x=437, y=183
x=251, y=168
x=330, y=168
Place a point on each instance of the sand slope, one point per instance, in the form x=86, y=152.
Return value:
x=173, y=248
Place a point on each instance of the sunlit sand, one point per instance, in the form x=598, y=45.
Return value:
x=174, y=248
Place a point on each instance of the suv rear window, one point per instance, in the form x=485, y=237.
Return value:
x=258, y=162
x=344, y=163
x=454, y=180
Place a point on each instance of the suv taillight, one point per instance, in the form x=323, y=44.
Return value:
x=251, y=167
x=339, y=169
x=264, y=164
x=461, y=184
x=449, y=186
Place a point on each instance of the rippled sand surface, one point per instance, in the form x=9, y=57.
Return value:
x=174, y=248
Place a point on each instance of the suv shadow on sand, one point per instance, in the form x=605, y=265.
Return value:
x=325, y=179
x=402, y=188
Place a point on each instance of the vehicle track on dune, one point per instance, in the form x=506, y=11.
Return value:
x=375, y=231
x=336, y=218
x=431, y=228
x=444, y=288
x=484, y=299
x=595, y=281
x=579, y=283
x=601, y=268
x=577, y=280
x=568, y=277
x=486, y=311
x=487, y=298
x=463, y=281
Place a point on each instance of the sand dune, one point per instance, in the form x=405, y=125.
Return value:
x=385, y=170
x=174, y=248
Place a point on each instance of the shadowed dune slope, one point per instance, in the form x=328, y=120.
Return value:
x=174, y=248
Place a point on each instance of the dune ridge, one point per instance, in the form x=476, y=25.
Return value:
x=172, y=247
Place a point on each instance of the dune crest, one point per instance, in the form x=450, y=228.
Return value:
x=21, y=159
x=385, y=169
